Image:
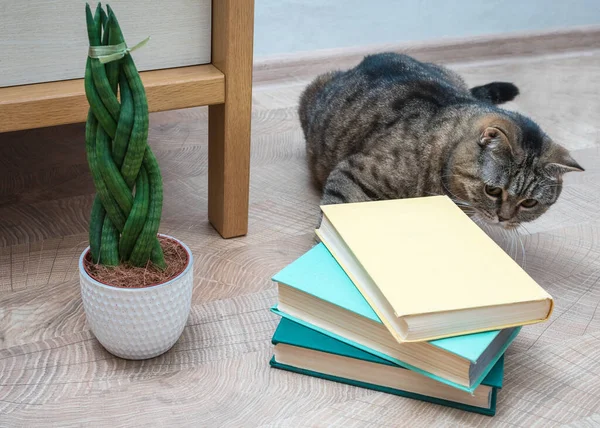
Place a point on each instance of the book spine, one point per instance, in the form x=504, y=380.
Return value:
x=481, y=410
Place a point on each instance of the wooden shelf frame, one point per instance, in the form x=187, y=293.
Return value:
x=225, y=86
x=64, y=102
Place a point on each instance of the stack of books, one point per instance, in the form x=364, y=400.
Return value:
x=409, y=297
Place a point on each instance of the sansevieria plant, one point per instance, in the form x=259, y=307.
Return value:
x=129, y=195
x=136, y=285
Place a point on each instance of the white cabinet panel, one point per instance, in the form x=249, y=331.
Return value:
x=46, y=40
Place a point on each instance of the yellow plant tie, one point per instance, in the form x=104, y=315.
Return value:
x=113, y=52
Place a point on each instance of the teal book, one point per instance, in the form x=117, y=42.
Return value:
x=316, y=292
x=303, y=350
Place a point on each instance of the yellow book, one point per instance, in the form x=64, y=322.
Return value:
x=429, y=271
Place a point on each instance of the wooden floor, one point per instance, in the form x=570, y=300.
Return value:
x=54, y=373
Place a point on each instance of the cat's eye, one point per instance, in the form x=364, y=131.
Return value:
x=529, y=203
x=493, y=191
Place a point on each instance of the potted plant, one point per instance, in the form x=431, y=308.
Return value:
x=136, y=284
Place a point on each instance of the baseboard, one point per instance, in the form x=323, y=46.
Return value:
x=306, y=65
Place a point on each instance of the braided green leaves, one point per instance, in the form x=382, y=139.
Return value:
x=127, y=209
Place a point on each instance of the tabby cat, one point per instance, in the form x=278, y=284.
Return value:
x=394, y=127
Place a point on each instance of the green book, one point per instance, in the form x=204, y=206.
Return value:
x=316, y=292
x=303, y=350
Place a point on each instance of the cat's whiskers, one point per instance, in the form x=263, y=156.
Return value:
x=513, y=244
x=461, y=203
x=508, y=238
x=481, y=222
x=466, y=208
x=487, y=216
x=521, y=225
x=507, y=242
x=454, y=197
x=518, y=235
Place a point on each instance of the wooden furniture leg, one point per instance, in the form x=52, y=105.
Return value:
x=229, y=123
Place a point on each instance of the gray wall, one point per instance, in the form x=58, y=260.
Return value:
x=285, y=26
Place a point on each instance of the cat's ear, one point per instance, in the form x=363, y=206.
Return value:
x=494, y=138
x=559, y=161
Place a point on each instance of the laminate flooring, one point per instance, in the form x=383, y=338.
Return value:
x=54, y=373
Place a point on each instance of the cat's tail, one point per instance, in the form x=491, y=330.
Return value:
x=495, y=92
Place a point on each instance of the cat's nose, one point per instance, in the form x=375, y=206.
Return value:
x=502, y=219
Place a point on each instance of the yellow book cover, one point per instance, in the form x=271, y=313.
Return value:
x=428, y=270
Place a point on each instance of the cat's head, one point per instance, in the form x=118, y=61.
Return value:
x=507, y=170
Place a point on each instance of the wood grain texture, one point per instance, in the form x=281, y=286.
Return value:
x=64, y=102
x=54, y=373
x=35, y=49
x=229, y=123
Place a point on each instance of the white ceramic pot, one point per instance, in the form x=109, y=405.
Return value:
x=138, y=323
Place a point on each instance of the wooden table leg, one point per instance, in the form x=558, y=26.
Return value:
x=229, y=123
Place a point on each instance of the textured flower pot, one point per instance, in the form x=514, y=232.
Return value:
x=138, y=323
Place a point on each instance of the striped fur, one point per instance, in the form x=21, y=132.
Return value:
x=394, y=127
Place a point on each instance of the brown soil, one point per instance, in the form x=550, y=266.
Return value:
x=128, y=276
